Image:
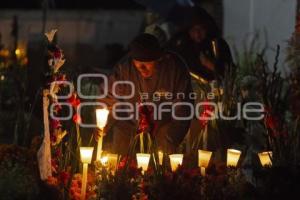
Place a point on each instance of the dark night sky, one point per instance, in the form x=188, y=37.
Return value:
x=71, y=4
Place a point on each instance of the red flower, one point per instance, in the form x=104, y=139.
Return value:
x=74, y=101
x=57, y=152
x=126, y=161
x=57, y=108
x=206, y=113
x=130, y=163
x=64, y=177
x=59, y=77
x=53, y=138
x=57, y=53
x=272, y=123
x=146, y=119
x=77, y=119
x=55, y=124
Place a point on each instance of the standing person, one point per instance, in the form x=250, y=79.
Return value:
x=202, y=47
x=158, y=78
x=208, y=58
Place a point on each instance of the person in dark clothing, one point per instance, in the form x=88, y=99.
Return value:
x=158, y=77
x=202, y=47
x=209, y=59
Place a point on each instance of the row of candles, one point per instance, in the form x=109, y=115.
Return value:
x=143, y=159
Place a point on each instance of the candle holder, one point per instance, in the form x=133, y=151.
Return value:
x=265, y=158
x=233, y=157
x=203, y=160
x=143, y=161
x=86, y=154
x=101, y=117
x=175, y=159
x=112, y=162
x=160, y=157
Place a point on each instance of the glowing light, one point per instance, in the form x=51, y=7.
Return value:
x=18, y=52
x=233, y=157
x=143, y=161
x=160, y=157
x=101, y=116
x=175, y=159
x=86, y=154
x=265, y=158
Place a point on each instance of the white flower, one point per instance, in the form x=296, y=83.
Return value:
x=50, y=35
x=54, y=89
x=58, y=63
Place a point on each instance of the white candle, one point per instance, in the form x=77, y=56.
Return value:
x=203, y=160
x=175, y=159
x=160, y=157
x=86, y=154
x=233, y=157
x=99, y=148
x=101, y=118
x=202, y=171
x=143, y=161
x=104, y=160
x=265, y=158
x=112, y=162
x=84, y=181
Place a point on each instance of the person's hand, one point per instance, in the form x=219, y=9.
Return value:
x=207, y=62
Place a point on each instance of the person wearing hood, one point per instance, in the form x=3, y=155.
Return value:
x=157, y=77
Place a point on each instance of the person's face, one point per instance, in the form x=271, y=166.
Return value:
x=146, y=69
x=197, y=33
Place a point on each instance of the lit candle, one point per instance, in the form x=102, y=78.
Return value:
x=104, y=160
x=86, y=154
x=233, y=157
x=101, y=117
x=265, y=158
x=175, y=159
x=203, y=160
x=160, y=157
x=112, y=162
x=143, y=161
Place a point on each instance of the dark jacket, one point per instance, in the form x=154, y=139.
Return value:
x=171, y=77
x=190, y=52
